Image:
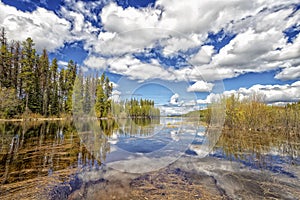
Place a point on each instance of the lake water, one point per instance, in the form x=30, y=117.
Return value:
x=162, y=158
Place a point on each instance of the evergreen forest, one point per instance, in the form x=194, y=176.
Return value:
x=32, y=85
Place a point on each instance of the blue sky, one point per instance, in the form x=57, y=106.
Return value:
x=178, y=53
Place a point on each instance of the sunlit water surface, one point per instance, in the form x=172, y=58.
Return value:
x=136, y=159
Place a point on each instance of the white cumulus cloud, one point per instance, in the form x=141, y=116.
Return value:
x=289, y=73
x=44, y=27
x=174, y=100
x=95, y=62
x=200, y=86
x=267, y=93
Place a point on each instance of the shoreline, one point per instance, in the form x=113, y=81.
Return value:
x=35, y=119
x=30, y=119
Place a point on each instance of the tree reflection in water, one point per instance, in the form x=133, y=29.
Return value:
x=31, y=154
x=96, y=134
x=37, y=149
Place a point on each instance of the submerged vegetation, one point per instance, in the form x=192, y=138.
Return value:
x=258, y=145
x=35, y=149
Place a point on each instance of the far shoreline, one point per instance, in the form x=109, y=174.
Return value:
x=32, y=119
x=35, y=119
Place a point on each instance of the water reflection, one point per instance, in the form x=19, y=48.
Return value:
x=32, y=151
x=137, y=145
x=261, y=150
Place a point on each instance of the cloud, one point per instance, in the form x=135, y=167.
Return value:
x=208, y=72
x=253, y=49
x=287, y=52
x=73, y=22
x=268, y=93
x=43, y=26
x=203, y=56
x=203, y=101
x=117, y=19
x=200, y=86
x=267, y=18
x=127, y=42
x=87, y=8
x=115, y=85
x=136, y=69
x=173, y=110
x=95, y=62
x=77, y=19
x=62, y=63
x=116, y=96
x=174, y=99
x=179, y=43
x=131, y=67
x=202, y=16
x=112, y=35
x=289, y=73
x=257, y=47
x=246, y=48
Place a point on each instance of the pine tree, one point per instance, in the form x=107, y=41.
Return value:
x=69, y=83
x=44, y=81
x=78, y=99
x=108, y=91
x=39, y=87
x=16, y=55
x=36, y=97
x=53, y=96
x=62, y=90
x=100, y=100
x=27, y=74
x=4, y=60
x=87, y=96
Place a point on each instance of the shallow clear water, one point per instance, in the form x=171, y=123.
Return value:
x=72, y=160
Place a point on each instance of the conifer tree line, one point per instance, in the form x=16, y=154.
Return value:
x=141, y=108
x=93, y=97
x=135, y=108
x=30, y=83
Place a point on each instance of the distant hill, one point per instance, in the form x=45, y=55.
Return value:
x=197, y=113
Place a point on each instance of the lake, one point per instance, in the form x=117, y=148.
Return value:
x=161, y=158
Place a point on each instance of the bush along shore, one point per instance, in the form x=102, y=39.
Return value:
x=252, y=114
